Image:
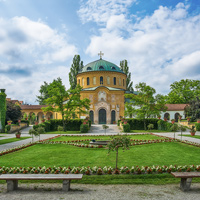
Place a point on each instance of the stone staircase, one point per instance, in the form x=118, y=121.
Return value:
x=98, y=129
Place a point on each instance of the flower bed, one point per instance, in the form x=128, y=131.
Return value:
x=98, y=170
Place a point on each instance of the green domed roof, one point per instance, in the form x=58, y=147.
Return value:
x=101, y=65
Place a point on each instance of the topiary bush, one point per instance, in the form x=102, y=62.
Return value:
x=25, y=121
x=197, y=125
x=126, y=127
x=84, y=128
x=138, y=124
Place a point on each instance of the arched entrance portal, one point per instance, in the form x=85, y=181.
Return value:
x=113, y=117
x=102, y=116
x=92, y=116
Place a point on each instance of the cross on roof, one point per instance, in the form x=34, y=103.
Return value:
x=100, y=54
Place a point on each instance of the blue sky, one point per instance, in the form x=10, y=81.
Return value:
x=38, y=39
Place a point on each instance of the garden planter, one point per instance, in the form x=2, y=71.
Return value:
x=36, y=123
x=18, y=135
x=165, y=119
x=198, y=121
x=192, y=133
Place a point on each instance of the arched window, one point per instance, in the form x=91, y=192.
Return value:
x=114, y=80
x=88, y=81
x=82, y=81
x=120, y=81
x=108, y=80
x=94, y=80
x=101, y=67
x=101, y=80
x=113, y=68
x=89, y=68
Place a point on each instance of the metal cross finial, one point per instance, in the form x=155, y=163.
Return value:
x=100, y=54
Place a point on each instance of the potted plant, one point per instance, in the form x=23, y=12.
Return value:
x=9, y=122
x=36, y=122
x=173, y=120
x=198, y=120
x=18, y=134
x=180, y=117
x=159, y=116
x=188, y=119
x=165, y=119
x=192, y=131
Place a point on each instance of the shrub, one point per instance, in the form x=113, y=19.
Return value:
x=150, y=126
x=84, y=128
x=35, y=127
x=138, y=124
x=7, y=128
x=197, y=125
x=60, y=128
x=25, y=121
x=118, y=122
x=126, y=127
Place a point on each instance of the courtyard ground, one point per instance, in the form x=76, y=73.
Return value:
x=53, y=191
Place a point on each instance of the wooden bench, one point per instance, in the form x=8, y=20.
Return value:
x=186, y=178
x=12, y=179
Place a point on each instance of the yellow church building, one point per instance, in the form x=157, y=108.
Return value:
x=104, y=84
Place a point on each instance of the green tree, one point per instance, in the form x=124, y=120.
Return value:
x=43, y=93
x=76, y=66
x=66, y=102
x=193, y=109
x=2, y=110
x=183, y=91
x=125, y=69
x=13, y=112
x=144, y=104
x=117, y=142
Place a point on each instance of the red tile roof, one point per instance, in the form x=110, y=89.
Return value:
x=32, y=107
x=174, y=107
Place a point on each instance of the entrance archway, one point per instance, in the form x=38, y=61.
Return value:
x=102, y=116
x=92, y=116
x=113, y=117
x=176, y=117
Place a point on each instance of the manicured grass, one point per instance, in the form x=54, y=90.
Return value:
x=12, y=140
x=64, y=132
x=148, y=131
x=195, y=136
x=174, y=153
x=136, y=137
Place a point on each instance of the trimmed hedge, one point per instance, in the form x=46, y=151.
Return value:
x=25, y=121
x=138, y=124
x=197, y=125
x=126, y=128
x=52, y=125
x=84, y=128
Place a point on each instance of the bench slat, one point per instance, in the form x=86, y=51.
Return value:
x=40, y=176
x=186, y=174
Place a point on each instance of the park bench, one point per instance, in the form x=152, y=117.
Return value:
x=12, y=179
x=186, y=178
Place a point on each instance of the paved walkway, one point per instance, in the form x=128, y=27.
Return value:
x=98, y=129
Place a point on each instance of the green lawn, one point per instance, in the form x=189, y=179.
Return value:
x=5, y=141
x=195, y=136
x=64, y=132
x=136, y=137
x=148, y=131
x=174, y=153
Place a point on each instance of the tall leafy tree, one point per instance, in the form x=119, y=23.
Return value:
x=66, y=102
x=13, y=112
x=183, y=91
x=144, y=104
x=76, y=66
x=125, y=69
x=193, y=109
x=44, y=92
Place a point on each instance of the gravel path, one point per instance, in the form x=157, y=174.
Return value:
x=53, y=191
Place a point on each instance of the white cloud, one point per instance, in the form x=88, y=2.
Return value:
x=34, y=38
x=100, y=11
x=160, y=48
x=31, y=52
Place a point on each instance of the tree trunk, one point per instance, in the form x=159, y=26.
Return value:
x=116, y=157
x=145, y=125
